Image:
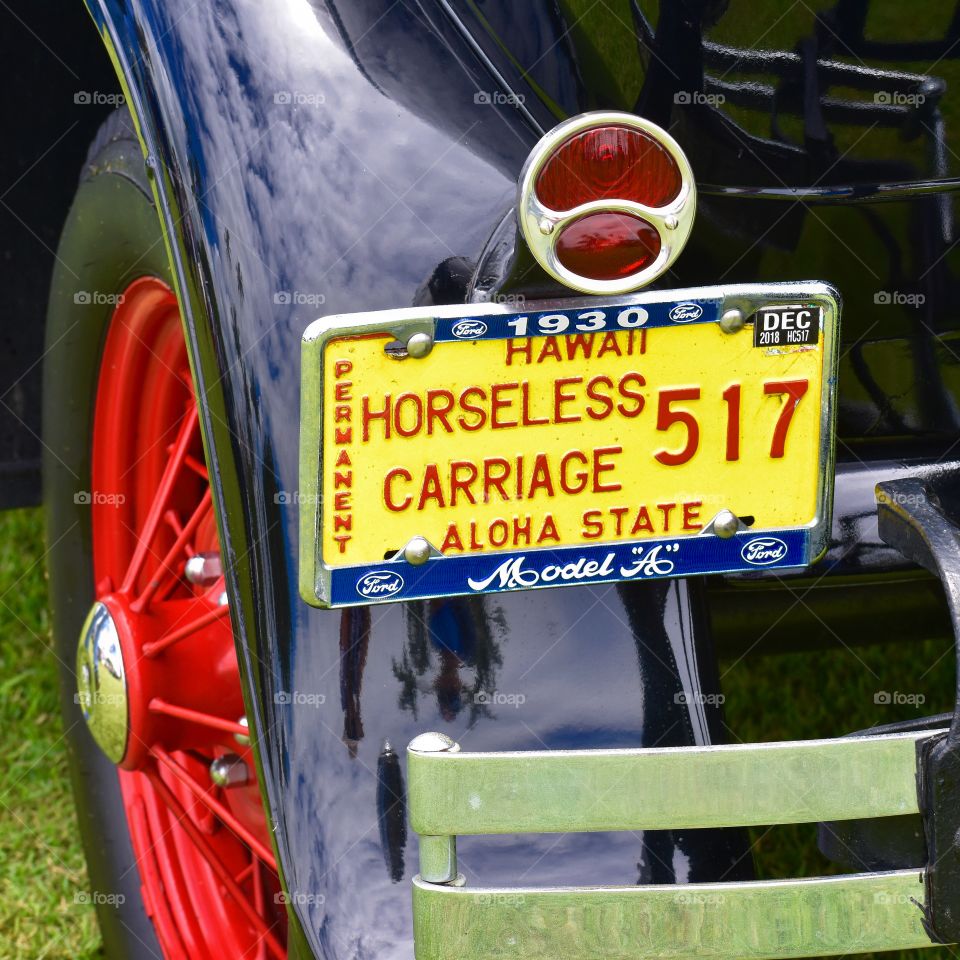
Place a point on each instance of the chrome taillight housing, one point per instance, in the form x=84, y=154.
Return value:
x=606, y=202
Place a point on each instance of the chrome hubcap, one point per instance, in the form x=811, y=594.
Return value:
x=102, y=682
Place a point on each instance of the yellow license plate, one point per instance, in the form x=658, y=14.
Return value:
x=475, y=448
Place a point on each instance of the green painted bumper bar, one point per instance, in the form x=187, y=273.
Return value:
x=576, y=791
x=459, y=793
x=797, y=918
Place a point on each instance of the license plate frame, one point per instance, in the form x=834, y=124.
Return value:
x=327, y=584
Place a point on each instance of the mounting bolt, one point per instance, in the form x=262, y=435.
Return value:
x=732, y=321
x=417, y=551
x=546, y=226
x=419, y=345
x=671, y=223
x=229, y=771
x=725, y=524
x=203, y=569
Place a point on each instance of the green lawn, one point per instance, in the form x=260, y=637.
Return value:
x=43, y=908
x=43, y=913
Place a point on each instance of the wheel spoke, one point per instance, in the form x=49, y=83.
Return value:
x=178, y=545
x=165, y=488
x=203, y=795
x=196, y=466
x=247, y=870
x=158, y=646
x=223, y=874
x=195, y=716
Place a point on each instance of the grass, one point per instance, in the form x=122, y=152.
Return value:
x=43, y=912
x=827, y=693
x=43, y=908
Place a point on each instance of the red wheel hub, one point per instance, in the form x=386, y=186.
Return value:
x=157, y=668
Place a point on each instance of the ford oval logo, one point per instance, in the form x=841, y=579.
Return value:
x=469, y=329
x=762, y=551
x=380, y=584
x=685, y=312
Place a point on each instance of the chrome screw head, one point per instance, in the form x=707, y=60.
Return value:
x=419, y=345
x=417, y=551
x=546, y=226
x=229, y=771
x=671, y=223
x=732, y=321
x=725, y=524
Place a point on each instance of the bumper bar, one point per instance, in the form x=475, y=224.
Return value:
x=455, y=793
x=578, y=791
x=775, y=918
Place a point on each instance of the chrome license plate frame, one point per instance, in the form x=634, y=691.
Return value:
x=330, y=584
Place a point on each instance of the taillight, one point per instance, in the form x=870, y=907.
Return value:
x=606, y=202
x=607, y=246
x=608, y=163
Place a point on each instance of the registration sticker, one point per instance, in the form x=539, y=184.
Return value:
x=481, y=448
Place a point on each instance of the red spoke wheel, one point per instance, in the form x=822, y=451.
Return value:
x=158, y=679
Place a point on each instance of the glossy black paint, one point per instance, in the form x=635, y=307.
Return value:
x=322, y=157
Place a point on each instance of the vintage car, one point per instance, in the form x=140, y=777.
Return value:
x=408, y=361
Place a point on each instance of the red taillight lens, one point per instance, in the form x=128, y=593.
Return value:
x=607, y=246
x=608, y=163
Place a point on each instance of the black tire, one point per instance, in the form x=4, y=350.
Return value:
x=112, y=236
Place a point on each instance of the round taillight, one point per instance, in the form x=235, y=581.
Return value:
x=608, y=163
x=606, y=202
x=607, y=246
